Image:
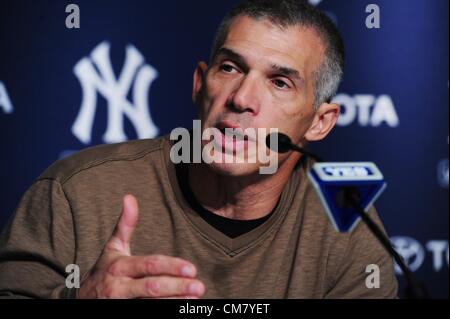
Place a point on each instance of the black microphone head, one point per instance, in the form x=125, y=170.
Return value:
x=284, y=142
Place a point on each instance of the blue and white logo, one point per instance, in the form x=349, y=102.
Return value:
x=5, y=101
x=314, y=2
x=367, y=110
x=96, y=75
x=442, y=172
x=330, y=179
x=411, y=250
x=347, y=171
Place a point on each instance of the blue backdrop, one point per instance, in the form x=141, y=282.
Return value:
x=62, y=90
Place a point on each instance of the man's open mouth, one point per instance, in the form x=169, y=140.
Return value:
x=232, y=138
x=233, y=132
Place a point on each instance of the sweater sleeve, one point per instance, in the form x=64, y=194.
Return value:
x=37, y=245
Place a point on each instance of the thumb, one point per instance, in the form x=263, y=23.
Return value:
x=120, y=240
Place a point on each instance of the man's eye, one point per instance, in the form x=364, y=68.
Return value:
x=227, y=68
x=281, y=84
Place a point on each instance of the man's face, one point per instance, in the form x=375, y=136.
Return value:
x=262, y=77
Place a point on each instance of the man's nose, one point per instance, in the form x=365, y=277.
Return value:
x=246, y=96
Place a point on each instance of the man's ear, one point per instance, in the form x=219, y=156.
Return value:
x=324, y=121
x=199, y=80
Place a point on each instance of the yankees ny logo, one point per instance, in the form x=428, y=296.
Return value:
x=115, y=91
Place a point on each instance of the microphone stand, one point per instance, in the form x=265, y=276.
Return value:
x=349, y=197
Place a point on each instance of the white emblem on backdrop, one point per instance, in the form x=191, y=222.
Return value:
x=442, y=171
x=367, y=110
x=411, y=250
x=5, y=101
x=314, y=2
x=96, y=75
x=414, y=254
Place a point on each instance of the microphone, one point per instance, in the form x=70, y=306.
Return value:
x=285, y=145
x=347, y=190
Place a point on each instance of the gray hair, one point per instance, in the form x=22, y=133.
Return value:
x=285, y=13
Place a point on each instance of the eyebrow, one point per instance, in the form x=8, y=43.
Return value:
x=287, y=72
x=232, y=55
x=276, y=68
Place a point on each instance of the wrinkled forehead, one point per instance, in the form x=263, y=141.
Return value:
x=296, y=46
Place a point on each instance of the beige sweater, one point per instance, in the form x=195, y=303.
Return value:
x=70, y=212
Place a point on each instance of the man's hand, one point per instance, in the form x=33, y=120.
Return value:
x=117, y=274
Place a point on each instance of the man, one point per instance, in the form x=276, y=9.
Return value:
x=214, y=229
